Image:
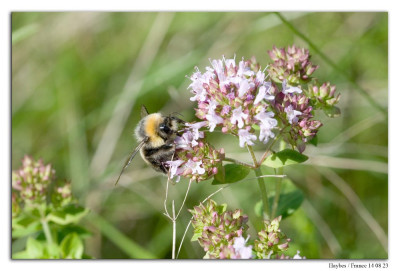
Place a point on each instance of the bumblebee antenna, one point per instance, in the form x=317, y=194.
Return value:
x=143, y=111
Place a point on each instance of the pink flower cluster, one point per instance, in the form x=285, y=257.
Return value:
x=235, y=96
x=220, y=232
x=238, y=98
x=31, y=181
x=238, y=250
x=291, y=64
x=194, y=158
x=295, y=111
x=34, y=184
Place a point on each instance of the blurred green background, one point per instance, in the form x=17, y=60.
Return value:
x=79, y=79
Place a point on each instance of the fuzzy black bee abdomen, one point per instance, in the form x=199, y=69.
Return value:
x=157, y=157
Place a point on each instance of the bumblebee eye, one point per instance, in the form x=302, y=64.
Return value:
x=165, y=128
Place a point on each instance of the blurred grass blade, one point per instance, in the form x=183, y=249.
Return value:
x=357, y=128
x=131, y=248
x=357, y=204
x=23, y=33
x=269, y=21
x=362, y=91
x=323, y=228
x=127, y=99
x=348, y=163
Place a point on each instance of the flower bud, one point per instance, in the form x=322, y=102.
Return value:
x=219, y=229
x=271, y=241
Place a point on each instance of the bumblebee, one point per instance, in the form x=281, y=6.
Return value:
x=155, y=134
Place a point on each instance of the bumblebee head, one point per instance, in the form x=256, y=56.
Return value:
x=158, y=128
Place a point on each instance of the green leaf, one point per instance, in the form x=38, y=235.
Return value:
x=258, y=208
x=81, y=231
x=285, y=158
x=85, y=256
x=332, y=111
x=233, y=174
x=68, y=214
x=21, y=255
x=220, y=176
x=196, y=235
x=52, y=251
x=71, y=247
x=34, y=249
x=221, y=208
x=23, y=226
x=287, y=205
x=314, y=141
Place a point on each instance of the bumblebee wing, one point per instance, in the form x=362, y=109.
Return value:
x=143, y=111
x=129, y=160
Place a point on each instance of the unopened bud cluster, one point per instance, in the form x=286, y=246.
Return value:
x=216, y=229
x=221, y=234
x=324, y=95
x=291, y=64
x=33, y=183
x=271, y=241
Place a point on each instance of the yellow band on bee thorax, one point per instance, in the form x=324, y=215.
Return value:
x=151, y=126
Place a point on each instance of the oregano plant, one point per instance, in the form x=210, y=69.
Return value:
x=272, y=106
x=45, y=215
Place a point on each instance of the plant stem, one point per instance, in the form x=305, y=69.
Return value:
x=252, y=156
x=278, y=185
x=264, y=194
x=261, y=184
x=46, y=229
x=173, y=229
x=268, y=151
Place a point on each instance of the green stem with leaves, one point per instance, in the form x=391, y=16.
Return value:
x=261, y=183
x=278, y=185
x=263, y=190
x=46, y=228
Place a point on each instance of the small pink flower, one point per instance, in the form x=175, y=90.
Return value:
x=244, y=87
x=246, y=137
x=289, y=89
x=195, y=167
x=174, y=169
x=292, y=114
x=241, y=250
x=238, y=116
x=197, y=85
x=185, y=141
x=264, y=94
x=213, y=120
x=225, y=110
x=195, y=128
x=297, y=256
x=260, y=77
x=230, y=62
